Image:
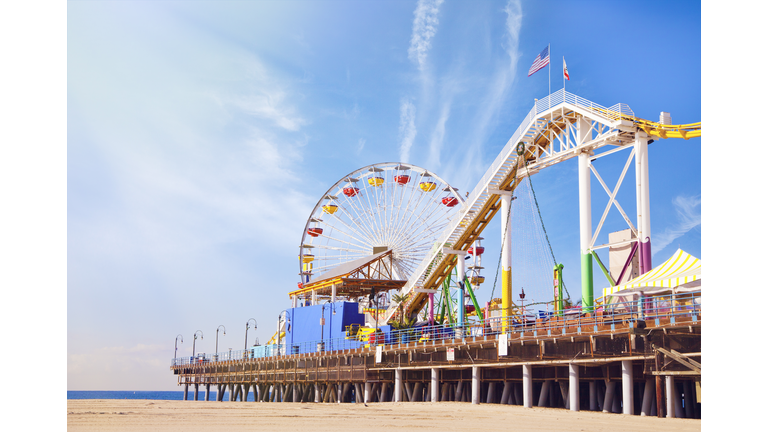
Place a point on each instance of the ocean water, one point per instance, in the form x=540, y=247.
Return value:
x=154, y=395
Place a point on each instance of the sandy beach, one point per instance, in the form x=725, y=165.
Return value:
x=189, y=416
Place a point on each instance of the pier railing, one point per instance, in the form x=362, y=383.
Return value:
x=539, y=324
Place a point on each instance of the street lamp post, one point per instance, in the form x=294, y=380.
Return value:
x=175, y=347
x=195, y=340
x=255, y=326
x=522, y=306
x=217, y=339
x=290, y=320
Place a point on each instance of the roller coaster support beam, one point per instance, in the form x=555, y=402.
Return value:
x=643, y=201
x=506, y=260
x=431, y=294
x=431, y=308
x=584, y=134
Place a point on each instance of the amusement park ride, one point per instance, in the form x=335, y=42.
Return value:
x=396, y=230
x=392, y=247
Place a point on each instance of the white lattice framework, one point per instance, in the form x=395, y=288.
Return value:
x=557, y=128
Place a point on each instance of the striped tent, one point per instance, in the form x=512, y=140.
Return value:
x=681, y=270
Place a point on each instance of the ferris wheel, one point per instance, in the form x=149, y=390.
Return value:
x=386, y=206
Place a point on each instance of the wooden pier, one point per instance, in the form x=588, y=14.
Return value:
x=655, y=361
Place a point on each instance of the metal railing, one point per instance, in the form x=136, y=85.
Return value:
x=526, y=324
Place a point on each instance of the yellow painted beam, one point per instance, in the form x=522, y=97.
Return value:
x=317, y=286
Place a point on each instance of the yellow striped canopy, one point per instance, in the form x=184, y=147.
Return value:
x=680, y=269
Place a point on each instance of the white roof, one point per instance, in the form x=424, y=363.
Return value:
x=681, y=271
x=347, y=267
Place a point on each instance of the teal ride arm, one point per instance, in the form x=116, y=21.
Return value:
x=447, y=294
x=441, y=316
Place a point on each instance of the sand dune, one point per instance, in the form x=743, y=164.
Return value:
x=190, y=416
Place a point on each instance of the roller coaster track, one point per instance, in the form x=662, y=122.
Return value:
x=685, y=131
x=557, y=128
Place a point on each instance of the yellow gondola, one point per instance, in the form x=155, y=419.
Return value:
x=427, y=186
x=477, y=280
x=330, y=208
x=376, y=181
x=307, y=258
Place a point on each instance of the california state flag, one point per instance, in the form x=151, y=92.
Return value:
x=565, y=70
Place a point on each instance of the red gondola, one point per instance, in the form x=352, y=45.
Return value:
x=314, y=232
x=402, y=179
x=450, y=201
x=351, y=191
x=480, y=250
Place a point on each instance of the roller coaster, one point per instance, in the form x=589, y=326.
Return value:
x=557, y=128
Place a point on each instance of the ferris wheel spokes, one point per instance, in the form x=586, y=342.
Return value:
x=433, y=207
x=367, y=231
x=362, y=235
x=360, y=246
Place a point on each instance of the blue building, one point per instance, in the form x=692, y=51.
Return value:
x=321, y=327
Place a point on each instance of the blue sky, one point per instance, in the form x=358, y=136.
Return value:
x=200, y=135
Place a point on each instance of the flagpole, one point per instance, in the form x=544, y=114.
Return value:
x=563, y=73
x=549, y=53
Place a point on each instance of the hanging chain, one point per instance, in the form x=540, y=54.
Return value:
x=520, y=151
x=538, y=210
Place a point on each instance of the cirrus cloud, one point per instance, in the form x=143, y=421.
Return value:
x=424, y=28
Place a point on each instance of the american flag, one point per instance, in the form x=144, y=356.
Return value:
x=541, y=60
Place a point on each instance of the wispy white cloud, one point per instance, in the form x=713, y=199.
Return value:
x=267, y=99
x=263, y=150
x=360, y=145
x=269, y=105
x=438, y=136
x=424, y=28
x=425, y=23
x=407, y=128
x=472, y=165
x=345, y=113
x=353, y=113
x=514, y=22
x=688, y=211
x=301, y=40
x=187, y=180
x=198, y=177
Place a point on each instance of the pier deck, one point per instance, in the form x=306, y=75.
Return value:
x=590, y=353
